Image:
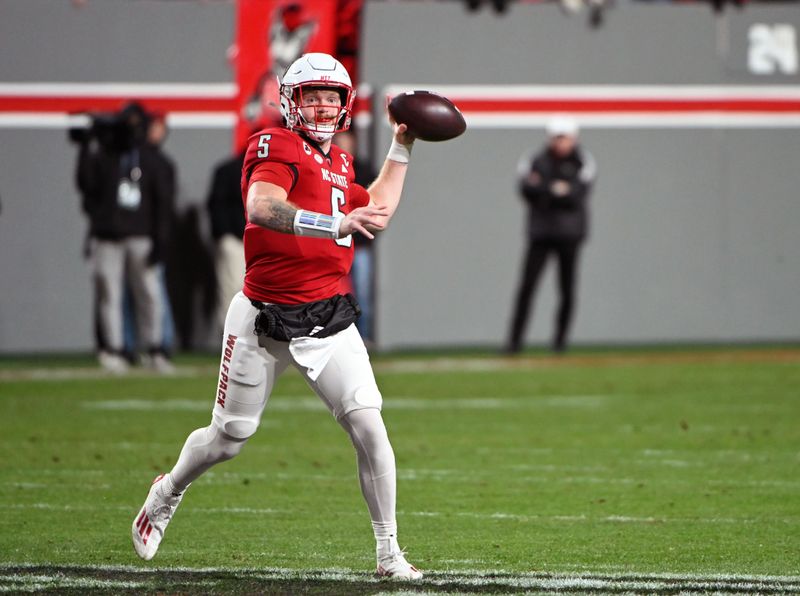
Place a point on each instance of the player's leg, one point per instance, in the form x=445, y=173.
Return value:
x=534, y=263
x=567, y=275
x=247, y=374
x=347, y=387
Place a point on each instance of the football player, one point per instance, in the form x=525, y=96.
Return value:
x=302, y=206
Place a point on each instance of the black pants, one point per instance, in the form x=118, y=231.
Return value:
x=566, y=251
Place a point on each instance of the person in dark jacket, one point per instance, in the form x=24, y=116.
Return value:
x=128, y=189
x=556, y=183
x=226, y=212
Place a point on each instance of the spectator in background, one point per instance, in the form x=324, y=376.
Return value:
x=157, y=132
x=226, y=211
x=362, y=273
x=156, y=136
x=556, y=183
x=127, y=187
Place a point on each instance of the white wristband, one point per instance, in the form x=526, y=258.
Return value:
x=399, y=152
x=317, y=225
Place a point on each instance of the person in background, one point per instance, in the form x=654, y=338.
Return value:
x=127, y=189
x=362, y=274
x=226, y=213
x=157, y=132
x=555, y=182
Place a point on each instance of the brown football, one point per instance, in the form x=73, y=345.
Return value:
x=429, y=116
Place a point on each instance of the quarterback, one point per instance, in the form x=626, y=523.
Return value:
x=302, y=205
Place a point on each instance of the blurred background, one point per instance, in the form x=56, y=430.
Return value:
x=691, y=110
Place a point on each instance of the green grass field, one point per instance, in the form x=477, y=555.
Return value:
x=657, y=471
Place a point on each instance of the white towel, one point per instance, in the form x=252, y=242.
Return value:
x=313, y=353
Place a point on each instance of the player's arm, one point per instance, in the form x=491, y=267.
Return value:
x=385, y=191
x=268, y=206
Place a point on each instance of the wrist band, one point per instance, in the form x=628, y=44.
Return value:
x=399, y=152
x=317, y=225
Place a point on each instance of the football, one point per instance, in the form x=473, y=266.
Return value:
x=429, y=116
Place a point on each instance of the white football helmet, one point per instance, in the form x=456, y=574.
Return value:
x=314, y=71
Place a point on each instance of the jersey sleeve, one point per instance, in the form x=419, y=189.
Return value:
x=272, y=156
x=359, y=197
x=280, y=174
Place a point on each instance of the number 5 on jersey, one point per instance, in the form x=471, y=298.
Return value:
x=263, y=145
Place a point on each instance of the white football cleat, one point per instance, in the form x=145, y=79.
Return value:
x=395, y=566
x=151, y=521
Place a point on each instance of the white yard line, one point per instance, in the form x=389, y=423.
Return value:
x=81, y=373
x=291, y=403
x=565, y=475
x=15, y=578
x=495, y=516
x=430, y=364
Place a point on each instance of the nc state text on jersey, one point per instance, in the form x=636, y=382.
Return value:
x=337, y=179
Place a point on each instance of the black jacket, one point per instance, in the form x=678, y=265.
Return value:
x=225, y=206
x=98, y=176
x=550, y=216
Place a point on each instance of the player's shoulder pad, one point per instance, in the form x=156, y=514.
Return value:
x=275, y=144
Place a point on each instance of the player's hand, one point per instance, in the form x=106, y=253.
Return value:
x=401, y=132
x=365, y=220
x=559, y=188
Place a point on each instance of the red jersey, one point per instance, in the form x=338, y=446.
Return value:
x=284, y=268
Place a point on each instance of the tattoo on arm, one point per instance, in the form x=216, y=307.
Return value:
x=281, y=217
x=274, y=214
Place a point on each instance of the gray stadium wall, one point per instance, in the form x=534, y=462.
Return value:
x=694, y=234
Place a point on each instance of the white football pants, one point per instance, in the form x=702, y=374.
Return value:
x=249, y=368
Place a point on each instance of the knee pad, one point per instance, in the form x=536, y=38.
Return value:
x=366, y=396
x=241, y=394
x=239, y=429
x=218, y=445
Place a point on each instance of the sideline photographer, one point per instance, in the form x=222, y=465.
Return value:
x=128, y=189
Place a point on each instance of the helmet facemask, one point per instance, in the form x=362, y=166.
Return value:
x=316, y=71
x=314, y=127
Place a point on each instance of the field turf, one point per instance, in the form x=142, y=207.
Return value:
x=628, y=471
